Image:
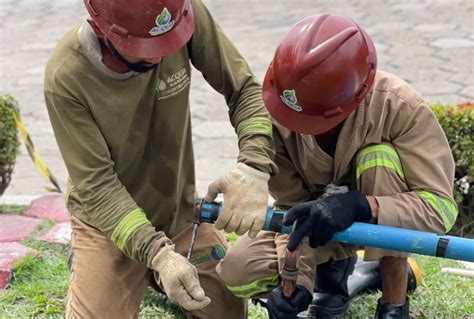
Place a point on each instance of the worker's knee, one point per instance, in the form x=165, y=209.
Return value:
x=372, y=253
x=250, y=267
x=232, y=268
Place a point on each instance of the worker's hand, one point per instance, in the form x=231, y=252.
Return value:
x=321, y=219
x=245, y=199
x=179, y=278
x=278, y=307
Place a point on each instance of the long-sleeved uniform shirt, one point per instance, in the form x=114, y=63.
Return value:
x=391, y=112
x=126, y=138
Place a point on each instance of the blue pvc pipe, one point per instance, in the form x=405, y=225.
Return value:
x=411, y=241
x=384, y=237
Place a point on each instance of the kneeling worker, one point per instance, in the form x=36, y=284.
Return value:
x=337, y=120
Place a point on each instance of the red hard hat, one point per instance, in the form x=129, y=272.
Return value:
x=320, y=73
x=144, y=28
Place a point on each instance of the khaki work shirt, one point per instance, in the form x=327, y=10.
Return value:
x=391, y=112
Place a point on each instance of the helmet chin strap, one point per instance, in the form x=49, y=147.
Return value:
x=139, y=67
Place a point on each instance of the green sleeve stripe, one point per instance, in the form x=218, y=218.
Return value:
x=378, y=162
x=256, y=287
x=378, y=155
x=445, y=208
x=255, y=125
x=127, y=226
x=380, y=148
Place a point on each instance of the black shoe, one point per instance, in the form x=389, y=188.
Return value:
x=392, y=311
x=331, y=297
x=328, y=305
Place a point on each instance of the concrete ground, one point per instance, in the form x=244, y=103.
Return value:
x=430, y=44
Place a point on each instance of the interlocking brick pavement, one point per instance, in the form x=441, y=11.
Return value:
x=59, y=234
x=50, y=206
x=15, y=227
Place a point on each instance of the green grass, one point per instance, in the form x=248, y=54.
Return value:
x=231, y=237
x=39, y=285
x=440, y=296
x=13, y=209
x=156, y=305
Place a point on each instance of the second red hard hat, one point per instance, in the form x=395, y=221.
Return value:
x=320, y=73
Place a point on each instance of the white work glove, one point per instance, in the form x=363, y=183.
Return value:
x=179, y=278
x=245, y=202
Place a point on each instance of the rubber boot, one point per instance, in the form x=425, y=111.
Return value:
x=367, y=277
x=331, y=297
x=392, y=311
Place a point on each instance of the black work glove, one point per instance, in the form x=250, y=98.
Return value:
x=278, y=307
x=321, y=219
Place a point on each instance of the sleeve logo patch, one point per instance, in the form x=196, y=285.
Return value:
x=217, y=252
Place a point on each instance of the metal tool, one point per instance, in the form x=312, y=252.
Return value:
x=384, y=237
x=196, y=222
x=289, y=272
x=193, y=240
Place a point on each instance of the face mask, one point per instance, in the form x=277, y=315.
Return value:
x=140, y=67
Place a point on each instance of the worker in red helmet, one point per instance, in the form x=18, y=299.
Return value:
x=117, y=93
x=339, y=123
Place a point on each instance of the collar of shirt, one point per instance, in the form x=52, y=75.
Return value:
x=91, y=46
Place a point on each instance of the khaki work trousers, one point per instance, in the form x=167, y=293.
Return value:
x=251, y=267
x=104, y=283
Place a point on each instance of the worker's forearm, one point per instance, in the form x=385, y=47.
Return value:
x=258, y=151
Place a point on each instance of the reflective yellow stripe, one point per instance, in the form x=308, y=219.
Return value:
x=127, y=225
x=379, y=162
x=256, y=287
x=378, y=148
x=255, y=125
x=445, y=208
x=378, y=155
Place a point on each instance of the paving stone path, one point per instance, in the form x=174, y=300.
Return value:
x=16, y=228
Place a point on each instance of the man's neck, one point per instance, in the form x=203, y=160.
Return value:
x=109, y=59
x=328, y=141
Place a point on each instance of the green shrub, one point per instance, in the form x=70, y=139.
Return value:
x=458, y=125
x=8, y=139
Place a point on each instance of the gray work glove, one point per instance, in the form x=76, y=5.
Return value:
x=178, y=277
x=245, y=202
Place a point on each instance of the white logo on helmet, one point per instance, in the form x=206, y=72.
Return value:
x=164, y=23
x=290, y=100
